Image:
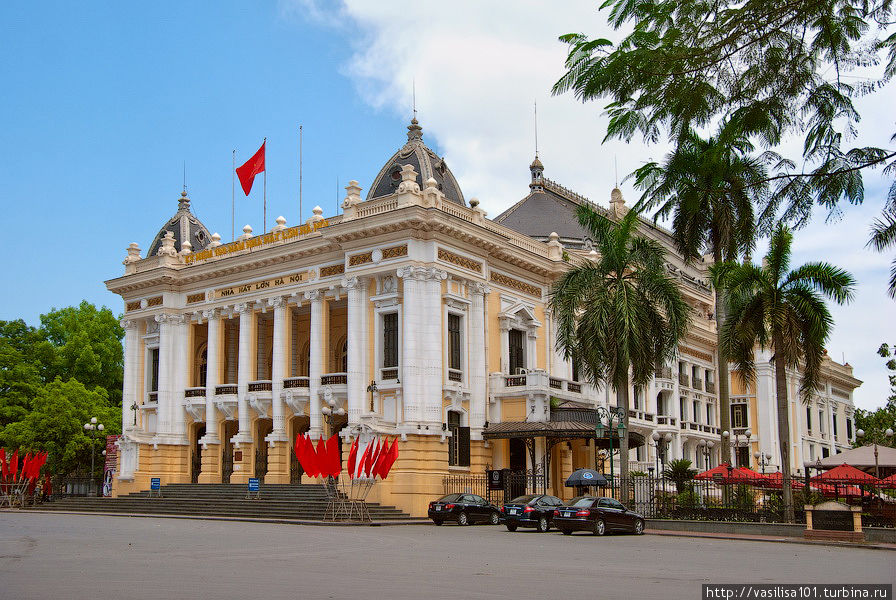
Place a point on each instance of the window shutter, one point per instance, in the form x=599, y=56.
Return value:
x=463, y=446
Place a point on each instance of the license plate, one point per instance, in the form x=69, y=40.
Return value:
x=512, y=511
x=567, y=514
x=438, y=508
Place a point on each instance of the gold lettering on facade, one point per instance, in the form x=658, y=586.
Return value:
x=261, y=285
x=255, y=242
x=516, y=284
x=461, y=261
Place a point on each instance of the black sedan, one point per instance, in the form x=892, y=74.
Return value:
x=533, y=510
x=463, y=508
x=597, y=515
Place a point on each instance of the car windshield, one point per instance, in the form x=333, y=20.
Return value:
x=581, y=501
x=448, y=498
x=524, y=499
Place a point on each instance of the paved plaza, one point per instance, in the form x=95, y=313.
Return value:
x=77, y=556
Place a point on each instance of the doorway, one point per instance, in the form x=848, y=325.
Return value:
x=297, y=426
x=263, y=427
x=230, y=429
x=196, y=458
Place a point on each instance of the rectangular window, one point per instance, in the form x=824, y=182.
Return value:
x=154, y=374
x=636, y=405
x=709, y=414
x=459, y=442
x=834, y=421
x=517, y=356
x=696, y=411
x=825, y=452
x=849, y=428
x=454, y=342
x=739, y=416
x=809, y=418
x=683, y=407
x=821, y=421
x=390, y=340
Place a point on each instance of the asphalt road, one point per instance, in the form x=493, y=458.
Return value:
x=48, y=556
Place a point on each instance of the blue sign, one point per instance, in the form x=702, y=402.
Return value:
x=253, y=484
x=155, y=483
x=587, y=475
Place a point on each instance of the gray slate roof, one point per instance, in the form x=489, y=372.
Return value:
x=185, y=226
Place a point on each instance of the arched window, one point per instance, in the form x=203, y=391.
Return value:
x=340, y=356
x=305, y=358
x=202, y=366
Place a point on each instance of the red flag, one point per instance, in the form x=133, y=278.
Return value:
x=393, y=456
x=382, y=459
x=14, y=463
x=310, y=464
x=352, y=455
x=26, y=466
x=251, y=168
x=363, y=460
x=3, y=466
x=322, y=461
x=334, y=453
x=368, y=464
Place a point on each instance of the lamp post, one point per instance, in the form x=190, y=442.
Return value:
x=887, y=434
x=726, y=438
x=610, y=413
x=706, y=449
x=661, y=442
x=92, y=425
x=371, y=389
x=134, y=409
x=763, y=458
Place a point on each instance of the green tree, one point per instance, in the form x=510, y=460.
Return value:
x=24, y=354
x=621, y=314
x=875, y=422
x=769, y=69
x=785, y=311
x=883, y=235
x=680, y=473
x=709, y=187
x=88, y=347
x=56, y=424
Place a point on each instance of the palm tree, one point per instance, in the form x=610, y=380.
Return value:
x=709, y=187
x=620, y=314
x=679, y=472
x=785, y=311
x=883, y=236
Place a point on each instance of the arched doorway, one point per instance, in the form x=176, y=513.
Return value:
x=297, y=426
x=230, y=429
x=196, y=457
x=262, y=428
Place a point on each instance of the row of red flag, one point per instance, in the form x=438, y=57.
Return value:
x=31, y=465
x=376, y=459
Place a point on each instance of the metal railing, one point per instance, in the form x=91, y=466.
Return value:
x=515, y=483
x=260, y=386
x=683, y=379
x=194, y=392
x=295, y=382
x=223, y=390
x=334, y=379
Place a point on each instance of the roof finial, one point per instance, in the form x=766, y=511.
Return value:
x=185, y=178
x=536, y=129
x=414, y=96
x=616, y=170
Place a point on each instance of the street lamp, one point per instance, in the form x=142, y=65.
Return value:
x=134, y=409
x=610, y=413
x=661, y=442
x=706, y=449
x=726, y=438
x=763, y=458
x=371, y=389
x=887, y=434
x=92, y=425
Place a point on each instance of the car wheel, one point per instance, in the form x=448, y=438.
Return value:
x=511, y=527
x=437, y=521
x=462, y=519
x=494, y=519
x=543, y=525
x=566, y=531
x=599, y=527
x=639, y=527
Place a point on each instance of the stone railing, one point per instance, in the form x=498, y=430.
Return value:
x=455, y=375
x=710, y=387
x=534, y=379
x=152, y=396
x=684, y=380
x=698, y=384
x=665, y=420
x=640, y=415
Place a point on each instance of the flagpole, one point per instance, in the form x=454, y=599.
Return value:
x=264, y=214
x=300, y=174
x=233, y=198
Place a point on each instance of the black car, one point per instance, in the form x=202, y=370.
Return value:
x=533, y=510
x=463, y=508
x=597, y=515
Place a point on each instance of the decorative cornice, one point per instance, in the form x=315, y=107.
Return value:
x=461, y=261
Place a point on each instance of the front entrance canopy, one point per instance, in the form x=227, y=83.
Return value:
x=557, y=430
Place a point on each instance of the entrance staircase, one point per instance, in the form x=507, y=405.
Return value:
x=276, y=501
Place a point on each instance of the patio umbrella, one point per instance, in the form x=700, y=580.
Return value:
x=586, y=478
x=889, y=482
x=846, y=474
x=726, y=474
x=775, y=481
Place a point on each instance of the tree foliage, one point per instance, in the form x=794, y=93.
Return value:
x=883, y=235
x=767, y=69
x=679, y=472
x=876, y=422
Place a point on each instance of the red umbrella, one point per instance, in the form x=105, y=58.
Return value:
x=846, y=474
x=889, y=482
x=726, y=474
x=775, y=481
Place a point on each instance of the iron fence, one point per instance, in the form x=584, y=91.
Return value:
x=513, y=484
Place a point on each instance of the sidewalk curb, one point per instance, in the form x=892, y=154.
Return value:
x=768, y=538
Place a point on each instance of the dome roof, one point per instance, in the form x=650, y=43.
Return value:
x=185, y=226
x=425, y=162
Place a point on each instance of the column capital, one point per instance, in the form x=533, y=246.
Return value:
x=354, y=283
x=211, y=314
x=277, y=302
x=169, y=319
x=422, y=273
x=128, y=324
x=314, y=295
x=242, y=308
x=478, y=288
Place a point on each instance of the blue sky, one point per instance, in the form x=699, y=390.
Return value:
x=103, y=103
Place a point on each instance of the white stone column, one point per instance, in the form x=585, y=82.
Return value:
x=212, y=379
x=319, y=328
x=478, y=379
x=244, y=434
x=357, y=346
x=278, y=356
x=181, y=372
x=410, y=339
x=163, y=395
x=129, y=395
x=433, y=329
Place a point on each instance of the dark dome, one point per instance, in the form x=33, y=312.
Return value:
x=425, y=162
x=185, y=226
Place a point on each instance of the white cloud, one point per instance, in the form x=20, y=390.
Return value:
x=478, y=68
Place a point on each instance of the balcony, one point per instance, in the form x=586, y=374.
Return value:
x=152, y=396
x=684, y=380
x=710, y=387
x=389, y=373
x=666, y=420
x=334, y=379
x=640, y=415
x=295, y=382
x=261, y=386
x=226, y=389
x=455, y=375
x=698, y=384
x=194, y=392
x=663, y=373
x=534, y=381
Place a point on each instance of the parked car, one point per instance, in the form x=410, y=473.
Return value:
x=597, y=515
x=532, y=510
x=465, y=509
